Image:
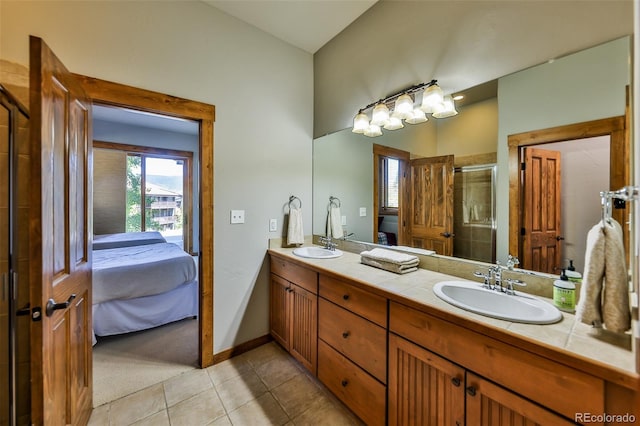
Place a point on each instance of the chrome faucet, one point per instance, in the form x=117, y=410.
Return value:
x=328, y=243
x=493, y=279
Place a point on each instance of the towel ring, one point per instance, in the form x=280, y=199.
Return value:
x=292, y=199
x=334, y=201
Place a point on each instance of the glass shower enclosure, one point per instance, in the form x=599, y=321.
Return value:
x=474, y=212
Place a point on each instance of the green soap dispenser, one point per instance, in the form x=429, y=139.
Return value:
x=564, y=294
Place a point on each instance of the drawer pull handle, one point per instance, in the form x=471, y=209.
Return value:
x=455, y=381
x=345, y=297
x=471, y=391
x=345, y=334
x=344, y=383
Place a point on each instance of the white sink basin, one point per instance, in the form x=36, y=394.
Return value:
x=317, y=252
x=517, y=308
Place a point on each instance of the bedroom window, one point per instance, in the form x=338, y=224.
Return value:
x=163, y=181
x=139, y=188
x=389, y=178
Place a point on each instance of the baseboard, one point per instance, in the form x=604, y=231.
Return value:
x=241, y=348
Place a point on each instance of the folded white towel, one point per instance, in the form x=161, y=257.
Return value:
x=388, y=266
x=295, y=232
x=391, y=256
x=334, y=222
x=616, y=313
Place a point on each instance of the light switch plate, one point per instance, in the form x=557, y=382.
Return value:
x=273, y=225
x=363, y=211
x=237, y=216
x=344, y=220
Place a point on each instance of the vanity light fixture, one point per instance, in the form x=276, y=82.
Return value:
x=433, y=102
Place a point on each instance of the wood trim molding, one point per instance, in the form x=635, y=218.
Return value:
x=619, y=163
x=241, y=348
x=115, y=94
x=404, y=157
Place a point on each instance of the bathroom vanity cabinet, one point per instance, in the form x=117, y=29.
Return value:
x=293, y=311
x=352, y=355
x=394, y=360
x=450, y=382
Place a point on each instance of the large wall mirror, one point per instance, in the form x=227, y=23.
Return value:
x=583, y=87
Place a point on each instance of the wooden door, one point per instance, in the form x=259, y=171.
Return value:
x=541, y=236
x=424, y=388
x=61, y=338
x=491, y=405
x=431, y=182
x=279, y=310
x=304, y=327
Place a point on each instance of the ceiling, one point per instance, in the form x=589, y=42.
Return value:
x=307, y=24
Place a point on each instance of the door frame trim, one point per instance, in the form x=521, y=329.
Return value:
x=120, y=95
x=614, y=127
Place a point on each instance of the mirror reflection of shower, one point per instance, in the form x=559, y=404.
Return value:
x=474, y=213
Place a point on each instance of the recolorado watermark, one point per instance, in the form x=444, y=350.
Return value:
x=604, y=418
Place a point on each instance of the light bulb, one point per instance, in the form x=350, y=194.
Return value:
x=417, y=116
x=404, y=106
x=431, y=97
x=373, y=130
x=448, y=110
x=360, y=123
x=380, y=115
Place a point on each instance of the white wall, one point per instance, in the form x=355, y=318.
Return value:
x=262, y=89
x=587, y=85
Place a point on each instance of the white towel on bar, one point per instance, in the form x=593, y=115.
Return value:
x=589, y=309
x=616, y=313
x=334, y=222
x=295, y=231
x=604, y=296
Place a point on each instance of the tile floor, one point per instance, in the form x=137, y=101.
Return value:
x=262, y=387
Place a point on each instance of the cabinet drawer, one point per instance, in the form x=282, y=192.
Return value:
x=363, y=394
x=540, y=379
x=305, y=278
x=363, y=303
x=362, y=341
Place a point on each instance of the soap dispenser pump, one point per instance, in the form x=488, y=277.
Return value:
x=564, y=293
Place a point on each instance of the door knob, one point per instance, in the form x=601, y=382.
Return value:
x=447, y=234
x=53, y=306
x=559, y=238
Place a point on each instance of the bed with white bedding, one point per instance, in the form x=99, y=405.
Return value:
x=142, y=286
x=126, y=239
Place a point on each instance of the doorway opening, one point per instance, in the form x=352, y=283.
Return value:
x=147, y=102
x=579, y=137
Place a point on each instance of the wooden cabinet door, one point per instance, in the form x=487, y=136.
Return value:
x=60, y=237
x=303, y=343
x=423, y=388
x=279, y=322
x=431, y=187
x=491, y=405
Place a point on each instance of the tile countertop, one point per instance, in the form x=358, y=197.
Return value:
x=567, y=341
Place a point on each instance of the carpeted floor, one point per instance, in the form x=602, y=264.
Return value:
x=127, y=363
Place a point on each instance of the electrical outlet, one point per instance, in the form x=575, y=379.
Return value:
x=237, y=216
x=273, y=225
x=344, y=220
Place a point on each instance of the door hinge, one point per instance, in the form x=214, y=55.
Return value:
x=523, y=231
x=523, y=166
